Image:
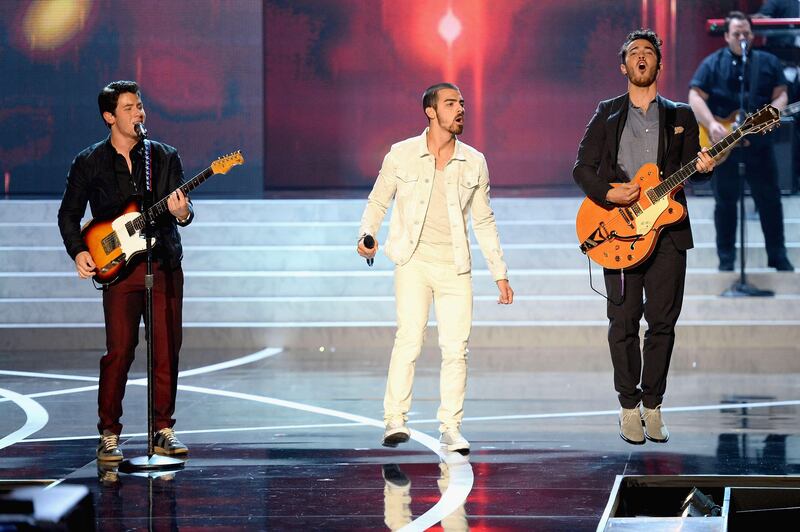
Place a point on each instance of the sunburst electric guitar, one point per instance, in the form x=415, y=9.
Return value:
x=112, y=243
x=730, y=124
x=621, y=237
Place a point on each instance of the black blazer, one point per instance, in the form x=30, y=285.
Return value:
x=678, y=144
x=92, y=179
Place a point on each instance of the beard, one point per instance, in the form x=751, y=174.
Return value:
x=643, y=80
x=454, y=127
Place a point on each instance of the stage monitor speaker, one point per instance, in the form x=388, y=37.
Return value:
x=62, y=508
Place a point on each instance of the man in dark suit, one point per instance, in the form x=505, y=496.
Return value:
x=625, y=133
x=106, y=175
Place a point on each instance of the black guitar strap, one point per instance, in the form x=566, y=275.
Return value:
x=670, y=114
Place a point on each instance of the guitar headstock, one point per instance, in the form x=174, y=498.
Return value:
x=222, y=164
x=762, y=121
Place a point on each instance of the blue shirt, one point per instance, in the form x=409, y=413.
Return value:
x=720, y=73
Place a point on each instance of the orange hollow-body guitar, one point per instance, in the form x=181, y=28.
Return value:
x=112, y=243
x=621, y=237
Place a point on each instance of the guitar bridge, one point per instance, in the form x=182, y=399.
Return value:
x=110, y=243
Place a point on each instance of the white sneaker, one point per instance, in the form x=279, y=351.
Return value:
x=396, y=433
x=454, y=441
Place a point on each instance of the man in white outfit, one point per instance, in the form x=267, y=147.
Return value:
x=437, y=182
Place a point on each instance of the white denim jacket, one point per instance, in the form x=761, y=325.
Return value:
x=407, y=176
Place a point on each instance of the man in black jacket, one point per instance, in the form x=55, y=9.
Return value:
x=625, y=133
x=107, y=175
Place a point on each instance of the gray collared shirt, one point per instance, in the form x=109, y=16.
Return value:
x=639, y=142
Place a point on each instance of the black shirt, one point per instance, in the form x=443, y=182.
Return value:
x=100, y=177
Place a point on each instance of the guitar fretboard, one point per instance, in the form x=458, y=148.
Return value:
x=160, y=207
x=678, y=178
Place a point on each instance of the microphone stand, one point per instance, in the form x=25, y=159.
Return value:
x=742, y=288
x=152, y=461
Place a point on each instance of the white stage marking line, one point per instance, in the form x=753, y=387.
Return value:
x=264, y=353
x=699, y=408
x=35, y=418
x=461, y=475
x=260, y=355
x=207, y=431
x=47, y=375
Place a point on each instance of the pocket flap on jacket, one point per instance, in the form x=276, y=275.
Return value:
x=469, y=181
x=404, y=176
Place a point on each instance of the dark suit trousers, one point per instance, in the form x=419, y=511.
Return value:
x=653, y=289
x=124, y=305
x=762, y=176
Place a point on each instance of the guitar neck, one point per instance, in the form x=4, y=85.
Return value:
x=688, y=170
x=160, y=207
x=791, y=110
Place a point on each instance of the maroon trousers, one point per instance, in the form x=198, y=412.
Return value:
x=124, y=305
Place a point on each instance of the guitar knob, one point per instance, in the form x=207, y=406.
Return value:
x=630, y=257
x=616, y=258
x=669, y=210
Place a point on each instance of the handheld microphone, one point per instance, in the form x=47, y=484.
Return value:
x=743, y=45
x=140, y=130
x=369, y=243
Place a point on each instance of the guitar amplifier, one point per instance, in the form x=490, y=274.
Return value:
x=786, y=146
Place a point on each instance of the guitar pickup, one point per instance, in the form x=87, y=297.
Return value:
x=110, y=243
x=627, y=217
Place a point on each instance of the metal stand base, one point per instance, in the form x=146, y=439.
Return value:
x=151, y=463
x=740, y=289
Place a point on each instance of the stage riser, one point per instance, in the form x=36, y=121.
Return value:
x=304, y=249
x=313, y=310
x=350, y=210
x=320, y=284
x=345, y=234
x=699, y=347
x=326, y=259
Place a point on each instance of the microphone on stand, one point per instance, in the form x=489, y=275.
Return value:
x=369, y=243
x=743, y=45
x=140, y=130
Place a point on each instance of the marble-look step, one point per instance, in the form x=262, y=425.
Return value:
x=326, y=258
x=202, y=233
x=365, y=282
x=349, y=210
x=315, y=309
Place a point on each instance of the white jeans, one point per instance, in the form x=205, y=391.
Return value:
x=416, y=284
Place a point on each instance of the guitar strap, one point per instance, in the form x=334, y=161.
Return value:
x=755, y=71
x=668, y=130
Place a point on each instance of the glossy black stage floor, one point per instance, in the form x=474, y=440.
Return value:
x=289, y=439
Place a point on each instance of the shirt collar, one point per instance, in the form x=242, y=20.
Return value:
x=458, y=152
x=654, y=100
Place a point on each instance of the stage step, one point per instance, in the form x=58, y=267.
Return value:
x=285, y=271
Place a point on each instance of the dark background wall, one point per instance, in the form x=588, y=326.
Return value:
x=315, y=91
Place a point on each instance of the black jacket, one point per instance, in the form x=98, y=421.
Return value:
x=92, y=179
x=678, y=144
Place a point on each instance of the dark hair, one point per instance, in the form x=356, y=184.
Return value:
x=107, y=99
x=431, y=95
x=739, y=16
x=646, y=34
